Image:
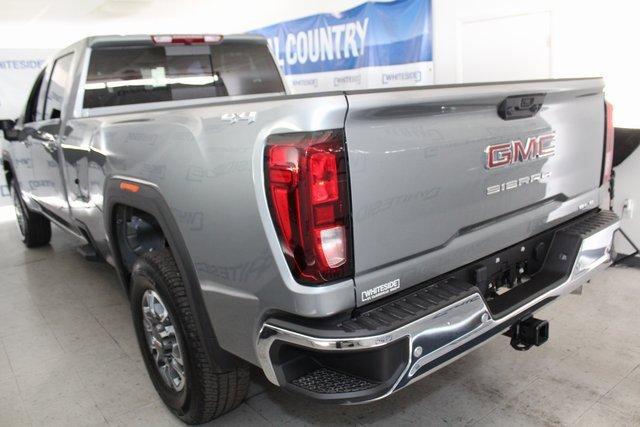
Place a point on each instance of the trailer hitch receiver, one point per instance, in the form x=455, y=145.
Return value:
x=528, y=332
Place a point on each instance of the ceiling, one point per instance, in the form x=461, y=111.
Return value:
x=17, y=12
x=53, y=24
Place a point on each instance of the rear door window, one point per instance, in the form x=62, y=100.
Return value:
x=30, y=113
x=56, y=88
x=136, y=75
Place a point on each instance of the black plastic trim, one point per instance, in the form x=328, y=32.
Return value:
x=6, y=157
x=392, y=314
x=626, y=142
x=54, y=217
x=380, y=367
x=149, y=200
x=521, y=106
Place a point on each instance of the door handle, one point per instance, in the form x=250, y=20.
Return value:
x=45, y=137
x=47, y=140
x=50, y=146
x=520, y=106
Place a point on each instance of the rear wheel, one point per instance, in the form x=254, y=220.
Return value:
x=34, y=228
x=186, y=379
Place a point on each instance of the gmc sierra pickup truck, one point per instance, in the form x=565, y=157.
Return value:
x=346, y=243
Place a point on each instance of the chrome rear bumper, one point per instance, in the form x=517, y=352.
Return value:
x=447, y=334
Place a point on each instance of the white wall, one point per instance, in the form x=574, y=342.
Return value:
x=18, y=70
x=61, y=22
x=587, y=38
x=628, y=192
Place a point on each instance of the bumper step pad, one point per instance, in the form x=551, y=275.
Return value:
x=591, y=223
x=418, y=304
x=328, y=381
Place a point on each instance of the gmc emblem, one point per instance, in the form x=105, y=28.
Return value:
x=517, y=151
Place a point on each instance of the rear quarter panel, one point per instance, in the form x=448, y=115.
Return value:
x=210, y=172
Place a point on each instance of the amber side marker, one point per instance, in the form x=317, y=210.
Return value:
x=130, y=187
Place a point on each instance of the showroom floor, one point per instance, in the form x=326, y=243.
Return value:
x=68, y=356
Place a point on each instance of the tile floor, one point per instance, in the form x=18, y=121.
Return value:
x=68, y=357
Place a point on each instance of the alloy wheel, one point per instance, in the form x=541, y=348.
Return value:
x=163, y=341
x=17, y=204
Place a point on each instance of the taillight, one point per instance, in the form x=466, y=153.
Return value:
x=187, y=39
x=308, y=192
x=608, y=143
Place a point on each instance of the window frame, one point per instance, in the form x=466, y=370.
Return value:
x=34, y=98
x=66, y=87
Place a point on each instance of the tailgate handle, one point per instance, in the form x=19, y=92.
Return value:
x=520, y=106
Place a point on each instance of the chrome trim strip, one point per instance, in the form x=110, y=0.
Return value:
x=455, y=325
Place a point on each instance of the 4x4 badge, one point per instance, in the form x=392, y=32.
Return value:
x=248, y=117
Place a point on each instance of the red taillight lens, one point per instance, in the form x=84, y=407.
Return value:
x=608, y=143
x=308, y=192
x=324, y=177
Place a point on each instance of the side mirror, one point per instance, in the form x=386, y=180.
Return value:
x=7, y=127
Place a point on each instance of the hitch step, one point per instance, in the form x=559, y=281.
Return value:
x=528, y=332
x=329, y=381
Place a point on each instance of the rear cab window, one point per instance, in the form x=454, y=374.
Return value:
x=144, y=74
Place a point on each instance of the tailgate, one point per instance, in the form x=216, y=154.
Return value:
x=439, y=179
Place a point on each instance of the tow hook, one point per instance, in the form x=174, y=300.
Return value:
x=528, y=332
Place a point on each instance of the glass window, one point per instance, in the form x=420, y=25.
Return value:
x=135, y=75
x=30, y=111
x=57, y=85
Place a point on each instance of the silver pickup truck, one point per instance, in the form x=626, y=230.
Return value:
x=346, y=243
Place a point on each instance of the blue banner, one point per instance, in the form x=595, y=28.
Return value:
x=369, y=35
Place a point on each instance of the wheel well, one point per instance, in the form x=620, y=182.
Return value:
x=163, y=233
x=8, y=173
x=136, y=232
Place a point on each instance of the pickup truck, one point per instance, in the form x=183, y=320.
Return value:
x=346, y=243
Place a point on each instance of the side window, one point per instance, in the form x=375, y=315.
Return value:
x=57, y=85
x=30, y=113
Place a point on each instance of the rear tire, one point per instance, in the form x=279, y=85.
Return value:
x=206, y=392
x=34, y=227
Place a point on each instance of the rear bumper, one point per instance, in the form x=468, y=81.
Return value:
x=369, y=365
